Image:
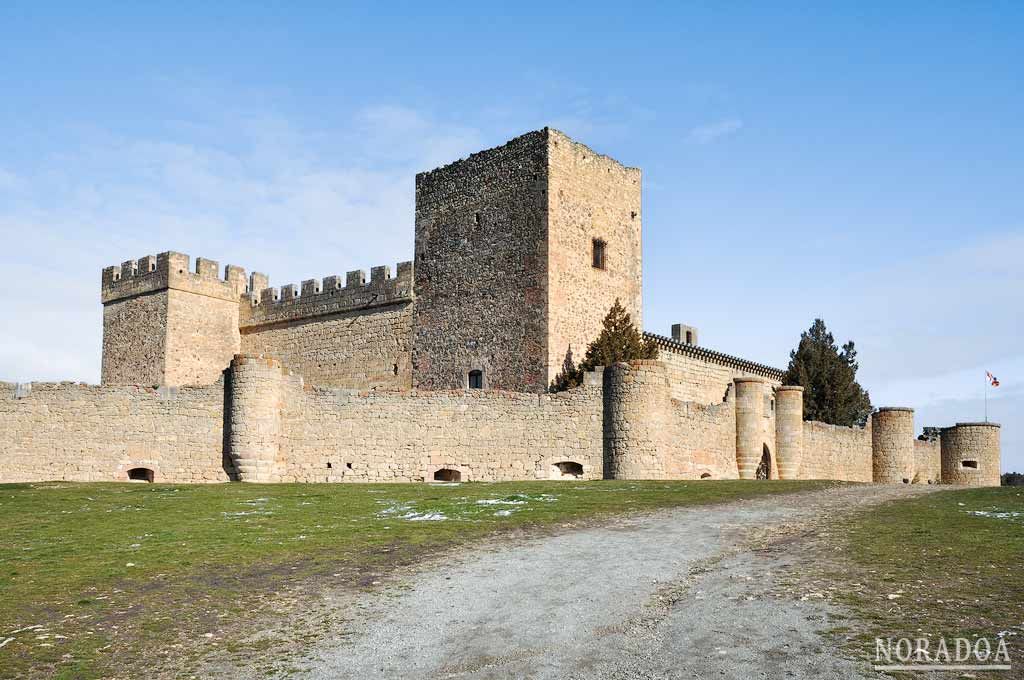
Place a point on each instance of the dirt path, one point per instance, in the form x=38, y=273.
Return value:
x=682, y=594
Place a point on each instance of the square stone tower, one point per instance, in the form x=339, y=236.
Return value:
x=520, y=252
x=166, y=325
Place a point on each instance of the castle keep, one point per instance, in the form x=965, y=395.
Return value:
x=437, y=369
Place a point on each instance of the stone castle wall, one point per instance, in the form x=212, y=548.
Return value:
x=705, y=376
x=75, y=432
x=335, y=435
x=367, y=349
x=481, y=269
x=166, y=324
x=590, y=197
x=927, y=461
x=835, y=452
x=701, y=442
x=134, y=340
x=262, y=423
x=638, y=422
x=970, y=454
x=892, y=440
x=349, y=333
x=365, y=379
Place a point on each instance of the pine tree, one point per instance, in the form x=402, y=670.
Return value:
x=570, y=377
x=828, y=376
x=619, y=341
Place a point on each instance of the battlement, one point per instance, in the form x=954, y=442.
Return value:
x=696, y=351
x=331, y=295
x=171, y=270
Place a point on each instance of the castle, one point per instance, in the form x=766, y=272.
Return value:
x=438, y=370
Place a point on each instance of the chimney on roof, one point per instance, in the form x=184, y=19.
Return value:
x=684, y=334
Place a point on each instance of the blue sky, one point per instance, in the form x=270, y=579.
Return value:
x=858, y=162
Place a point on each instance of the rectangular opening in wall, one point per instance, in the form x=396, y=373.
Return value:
x=969, y=464
x=599, y=253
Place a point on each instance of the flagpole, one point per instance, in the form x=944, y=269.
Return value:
x=986, y=398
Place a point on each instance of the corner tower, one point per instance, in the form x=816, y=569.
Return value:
x=166, y=325
x=520, y=252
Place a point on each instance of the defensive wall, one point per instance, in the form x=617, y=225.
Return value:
x=439, y=369
x=261, y=422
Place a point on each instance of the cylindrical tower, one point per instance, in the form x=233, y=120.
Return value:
x=636, y=402
x=789, y=430
x=892, y=445
x=970, y=454
x=255, y=416
x=749, y=425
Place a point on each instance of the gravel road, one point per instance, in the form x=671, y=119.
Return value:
x=686, y=593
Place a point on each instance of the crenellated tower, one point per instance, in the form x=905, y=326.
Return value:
x=167, y=324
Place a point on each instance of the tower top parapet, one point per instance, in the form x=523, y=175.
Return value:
x=171, y=270
x=331, y=295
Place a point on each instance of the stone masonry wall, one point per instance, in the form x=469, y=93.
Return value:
x=350, y=332
x=704, y=376
x=76, y=432
x=701, y=441
x=202, y=336
x=892, y=443
x=367, y=349
x=481, y=269
x=345, y=436
x=639, y=422
x=834, y=452
x=970, y=454
x=167, y=324
x=135, y=340
x=590, y=196
x=927, y=461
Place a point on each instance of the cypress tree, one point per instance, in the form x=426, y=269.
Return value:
x=619, y=340
x=829, y=378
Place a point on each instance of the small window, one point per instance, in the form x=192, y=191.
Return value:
x=689, y=337
x=972, y=464
x=476, y=380
x=599, y=253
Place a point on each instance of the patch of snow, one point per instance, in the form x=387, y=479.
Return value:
x=503, y=513
x=996, y=514
x=499, y=501
x=425, y=516
x=243, y=513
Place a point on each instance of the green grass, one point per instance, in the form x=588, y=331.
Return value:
x=955, y=573
x=124, y=572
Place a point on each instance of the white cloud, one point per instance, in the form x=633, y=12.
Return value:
x=705, y=134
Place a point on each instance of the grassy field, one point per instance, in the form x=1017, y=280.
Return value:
x=946, y=564
x=97, y=578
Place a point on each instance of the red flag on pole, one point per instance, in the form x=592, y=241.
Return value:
x=992, y=380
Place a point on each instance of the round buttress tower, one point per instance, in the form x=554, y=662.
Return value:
x=892, y=445
x=636, y=408
x=789, y=430
x=970, y=454
x=749, y=425
x=255, y=420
